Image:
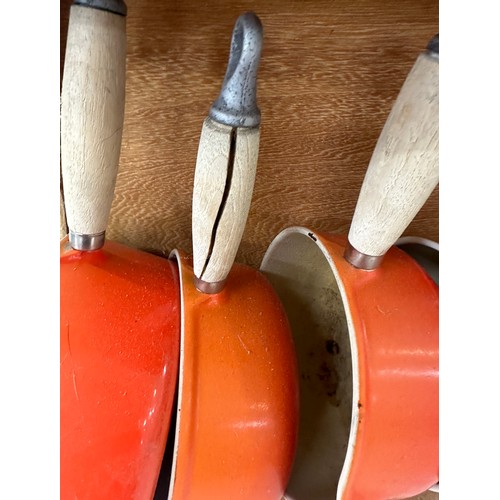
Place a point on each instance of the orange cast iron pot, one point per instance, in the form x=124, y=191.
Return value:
x=368, y=353
x=120, y=323
x=365, y=320
x=237, y=411
x=237, y=414
x=120, y=307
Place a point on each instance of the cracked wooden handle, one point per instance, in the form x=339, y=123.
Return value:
x=63, y=228
x=223, y=186
x=403, y=170
x=92, y=114
x=227, y=160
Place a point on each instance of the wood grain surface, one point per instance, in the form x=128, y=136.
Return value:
x=329, y=74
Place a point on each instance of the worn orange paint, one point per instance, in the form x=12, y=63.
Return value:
x=238, y=403
x=395, y=316
x=120, y=331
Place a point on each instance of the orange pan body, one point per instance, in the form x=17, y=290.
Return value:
x=120, y=331
x=237, y=418
x=391, y=318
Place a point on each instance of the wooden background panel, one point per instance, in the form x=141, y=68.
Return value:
x=329, y=73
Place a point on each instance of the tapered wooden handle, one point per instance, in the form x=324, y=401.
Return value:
x=403, y=170
x=223, y=185
x=92, y=114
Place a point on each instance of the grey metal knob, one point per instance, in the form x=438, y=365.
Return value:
x=236, y=105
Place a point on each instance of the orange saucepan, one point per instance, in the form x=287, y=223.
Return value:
x=120, y=324
x=365, y=320
x=237, y=419
x=237, y=411
x=119, y=307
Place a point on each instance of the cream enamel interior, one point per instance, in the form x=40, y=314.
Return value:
x=307, y=282
x=177, y=406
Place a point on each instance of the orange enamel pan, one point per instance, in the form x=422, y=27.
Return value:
x=237, y=419
x=237, y=410
x=365, y=321
x=120, y=324
x=119, y=308
x=368, y=353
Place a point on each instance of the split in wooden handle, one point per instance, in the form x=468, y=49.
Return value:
x=63, y=228
x=92, y=114
x=404, y=168
x=227, y=161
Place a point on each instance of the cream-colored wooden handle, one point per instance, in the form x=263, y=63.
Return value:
x=223, y=186
x=92, y=113
x=403, y=170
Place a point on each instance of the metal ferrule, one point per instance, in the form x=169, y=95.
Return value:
x=210, y=288
x=433, y=46
x=361, y=260
x=86, y=242
x=114, y=6
x=236, y=105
